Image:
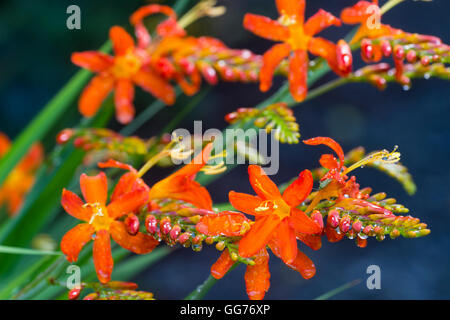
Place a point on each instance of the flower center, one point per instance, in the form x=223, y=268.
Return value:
x=126, y=66
x=278, y=207
x=100, y=219
x=298, y=39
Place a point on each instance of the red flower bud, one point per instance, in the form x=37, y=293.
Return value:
x=210, y=74
x=175, y=232
x=411, y=56
x=64, y=136
x=386, y=48
x=399, y=52
x=316, y=216
x=345, y=224
x=333, y=218
x=367, y=230
x=151, y=224
x=74, y=293
x=367, y=50
x=132, y=224
x=184, y=237
x=165, y=225
x=344, y=57
x=357, y=225
x=362, y=243
x=425, y=61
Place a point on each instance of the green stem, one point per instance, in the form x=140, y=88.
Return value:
x=24, y=251
x=326, y=87
x=204, y=288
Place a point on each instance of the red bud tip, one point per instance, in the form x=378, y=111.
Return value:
x=183, y=238
x=333, y=218
x=64, y=136
x=165, y=225
x=316, y=216
x=175, y=232
x=367, y=50
x=344, y=57
x=411, y=56
x=425, y=61
x=386, y=48
x=345, y=224
x=357, y=226
x=74, y=293
x=132, y=224
x=362, y=243
x=367, y=230
x=210, y=74
x=151, y=224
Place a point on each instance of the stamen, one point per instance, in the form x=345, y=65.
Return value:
x=381, y=156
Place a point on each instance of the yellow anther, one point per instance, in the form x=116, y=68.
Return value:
x=380, y=156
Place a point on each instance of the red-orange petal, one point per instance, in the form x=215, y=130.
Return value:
x=121, y=40
x=323, y=48
x=92, y=60
x=303, y=265
x=150, y=9
x=265, y=27
x=314, y=241
x=94, y=188
x=259, y=235
x=332, y=234
x=245, y=202
x=329, y=161
x=140, y=243
x=123, y=99
x=257, y=277
x=222, y=265
x=75, y=239
x=5, y=143
x=103, y=260
x=298, y=75
x=264, y=187
x=286, y=241
x=225, y=223
x=357, y=13
x=155, y=85
x=299, y=190
x=199, y=161
x=73, y=205
x=295, y=9
x=93, y=95
x=302, y=223
x=271, y=60
x=320, y=21
x=33, y=158
x=329, y=143
x=128, y=202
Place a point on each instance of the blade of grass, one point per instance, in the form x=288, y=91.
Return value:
x=338, y=290
x=25, y=251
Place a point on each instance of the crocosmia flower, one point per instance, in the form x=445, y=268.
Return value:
x=128, y=67
x=181, y=184
x=277, y=218
x=21, y=178
x=297, y=37
x=101, y=221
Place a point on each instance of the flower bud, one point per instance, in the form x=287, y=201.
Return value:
x=64, y=136
x=132, y=224
x=151, y=224
x=333, y=218
x=74, y=293
x=344, y=57
x=316, y=216
x=175, y=232
x=345, y=224
x=386, y=48
x=164, y=225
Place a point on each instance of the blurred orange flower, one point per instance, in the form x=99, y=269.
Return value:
x=101, y=221
x=21, y=178
x=128, y=67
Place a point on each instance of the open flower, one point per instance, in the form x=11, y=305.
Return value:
x=257, y=275
x=128, y=67
x=181, y=185
x=277, y=218
x=297, y=39
x=21, y=178
x=101, y=221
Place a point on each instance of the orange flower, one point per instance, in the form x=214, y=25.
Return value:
x=368, y=15
x=101, y=221
x=181, y=184
x=277, y=218
x=21, y=178
x=298, y=38
x=232, y=224
x=128, y=67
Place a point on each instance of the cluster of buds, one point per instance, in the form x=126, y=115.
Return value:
x=413, y=55
x=277, y=117
x=176, y=223
x=113, y=290
x=374, y=217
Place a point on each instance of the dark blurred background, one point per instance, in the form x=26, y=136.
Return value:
x=35, y=48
